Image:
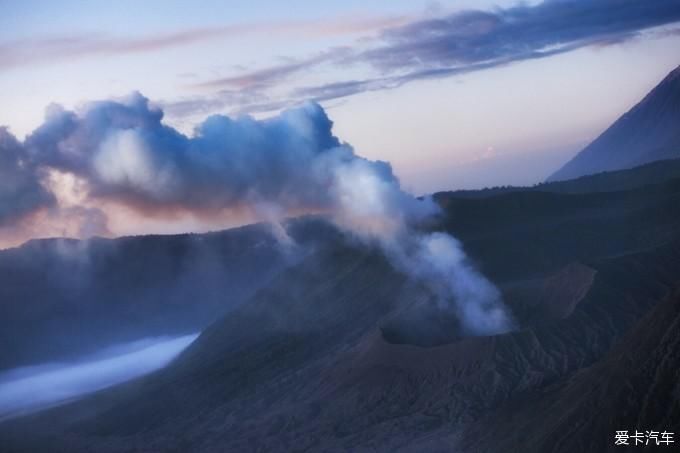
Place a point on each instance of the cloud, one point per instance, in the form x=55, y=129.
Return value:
x=54, y=49
x=266, y=77
x=239, y=101
x=124, y=151
x=21, y=190
x=121, y=151
x=336, y=90
x=515, y=33
x=467, y=41
x=47, y=50
x=256, y=100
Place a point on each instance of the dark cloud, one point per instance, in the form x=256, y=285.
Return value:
x=337, y=90
x=233, y=101
x=247, y=92
x=21, y=190
x=516, y=33
x=342, y=89
x=257, y=101
x=464, y=42
x=237, y=101
x=266, y=77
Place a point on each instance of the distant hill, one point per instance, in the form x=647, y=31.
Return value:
x=608, y=181
x=650, y=131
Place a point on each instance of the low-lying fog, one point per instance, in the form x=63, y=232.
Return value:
x=29, y=389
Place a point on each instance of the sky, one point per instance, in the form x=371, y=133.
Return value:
x=453, y=94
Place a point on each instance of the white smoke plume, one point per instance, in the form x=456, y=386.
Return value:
x=376, y=208
x=289, y=164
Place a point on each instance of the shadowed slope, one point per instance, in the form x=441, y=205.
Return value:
x=308, y=362
x=303, y=365
x=635, y=387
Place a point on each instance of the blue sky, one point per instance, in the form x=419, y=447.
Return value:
x=454, y=94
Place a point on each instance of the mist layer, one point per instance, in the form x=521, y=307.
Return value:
x=34, y=388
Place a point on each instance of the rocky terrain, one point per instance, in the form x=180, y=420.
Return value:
x=633, y=388
x=340, y=352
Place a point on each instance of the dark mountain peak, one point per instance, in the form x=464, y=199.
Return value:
x=668, y=90
x=646, y=133
x=674, y=74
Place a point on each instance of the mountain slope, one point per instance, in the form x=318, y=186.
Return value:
x=306, y=368
x=636, y=387
x=650, y=131
x=61, y=299
x=314, y=361
x=657, y=172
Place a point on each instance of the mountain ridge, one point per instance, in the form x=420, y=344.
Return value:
x=315, y=360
